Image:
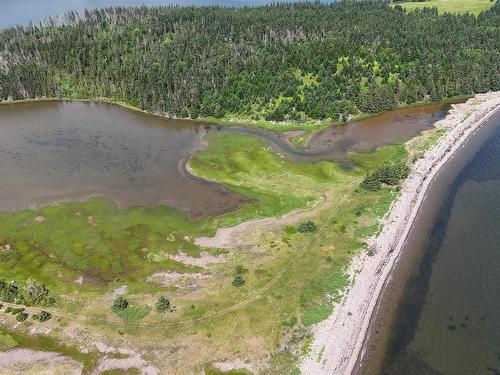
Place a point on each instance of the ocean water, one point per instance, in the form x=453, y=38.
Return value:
x=21, y=12
x=449, y=319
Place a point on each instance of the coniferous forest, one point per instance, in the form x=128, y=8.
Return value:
x=279, y=62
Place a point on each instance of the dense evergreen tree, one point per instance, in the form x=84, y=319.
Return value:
x=279, y=62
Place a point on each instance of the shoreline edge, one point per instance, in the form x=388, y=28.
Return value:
x=339, y=341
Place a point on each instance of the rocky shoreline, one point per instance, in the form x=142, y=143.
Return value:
x=339, y=341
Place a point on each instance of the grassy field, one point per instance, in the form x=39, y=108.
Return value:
x=451, y=6
x=109, y=247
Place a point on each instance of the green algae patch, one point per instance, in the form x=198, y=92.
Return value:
x=214, y=371
x=7, y=342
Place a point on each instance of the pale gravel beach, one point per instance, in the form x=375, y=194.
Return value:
x=339, y=341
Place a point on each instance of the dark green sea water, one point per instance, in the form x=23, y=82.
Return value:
x=449, y=322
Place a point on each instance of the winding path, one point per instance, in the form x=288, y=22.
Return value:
x=257, y=293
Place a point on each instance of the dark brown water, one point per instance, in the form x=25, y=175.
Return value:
x=366, y=135
x=370, y=133
x=53, y=151
x=62, y=151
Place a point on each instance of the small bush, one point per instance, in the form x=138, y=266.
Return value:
x=119, y=304
x=308, y=226
x=162, y=305
x=42, y=316
x=238, y=281
x=21, y=317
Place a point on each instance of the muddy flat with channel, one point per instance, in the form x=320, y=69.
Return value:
x=69, y=151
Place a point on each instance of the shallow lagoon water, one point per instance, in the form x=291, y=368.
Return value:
x=60, y=151
x=365, y=135
x=372, y=132
x=68, y=151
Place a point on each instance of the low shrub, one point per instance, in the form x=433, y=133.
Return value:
x=119, y=304
x=21, y=317
x=307, y=226
x=238, y=281
x=42, y=316
x=162, y=304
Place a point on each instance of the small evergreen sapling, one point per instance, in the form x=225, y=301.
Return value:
x=162, y=305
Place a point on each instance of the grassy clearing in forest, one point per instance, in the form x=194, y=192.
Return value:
x=450, y=6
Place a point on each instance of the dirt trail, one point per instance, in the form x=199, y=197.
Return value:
x=256, y=294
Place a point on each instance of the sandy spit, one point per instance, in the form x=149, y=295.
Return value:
x=339, y=340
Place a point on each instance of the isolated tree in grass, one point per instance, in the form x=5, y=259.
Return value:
x=307, y=226
x=42, y=316
x=162, y=304
x=21, y=317
x=119, y=304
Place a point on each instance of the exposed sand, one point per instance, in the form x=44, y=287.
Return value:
x=338, y=341
x=177, y=279
x=228, y=238
x=203, y=261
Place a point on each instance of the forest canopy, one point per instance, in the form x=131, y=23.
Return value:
x=278, y=62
